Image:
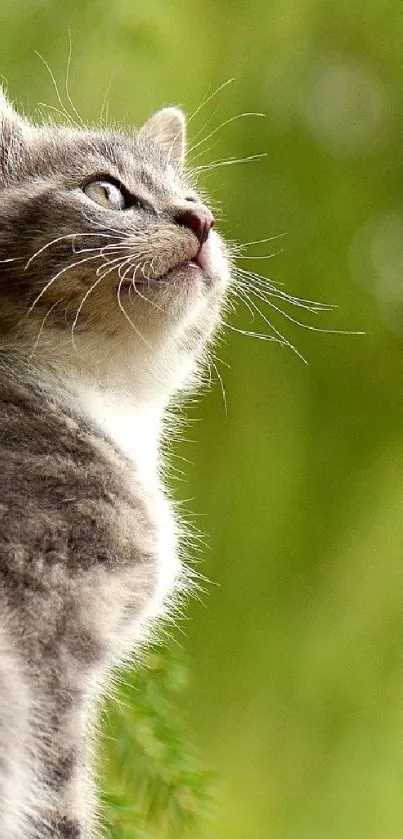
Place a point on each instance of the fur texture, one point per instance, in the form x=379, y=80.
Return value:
x=111, y=286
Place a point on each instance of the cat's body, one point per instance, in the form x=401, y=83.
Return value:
x=91, y=353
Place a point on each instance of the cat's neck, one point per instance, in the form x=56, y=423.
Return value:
x=134, y=428
x=132, y=421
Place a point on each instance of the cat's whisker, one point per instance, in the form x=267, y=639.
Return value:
x=264, y=256
x=59, y=274
x=271, y=326
x=245, y=301
x=115, y=264
x=79, y=310
x=210, y=373
x=223, y=392
x=240, y=246
x=118, y=267
x=41, y=328
x=138, y=292
x=71, y=236
x=267, y=292
x=133, y=256
x=271, y=289
x=104, y=228
x=112, y=247
x=300, y=323
x=151, y=271
x=267, y=287
x=133, y=287
x=260, y=335
x=123, y=310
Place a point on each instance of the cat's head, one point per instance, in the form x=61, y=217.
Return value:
x=109, y=263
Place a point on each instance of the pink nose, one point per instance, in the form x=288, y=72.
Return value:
x=196, y=217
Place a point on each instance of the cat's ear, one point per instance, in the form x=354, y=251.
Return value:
x=168, y=129
x=12, y=130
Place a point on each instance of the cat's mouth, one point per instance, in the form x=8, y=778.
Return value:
x=140, y=279
x=198, y=265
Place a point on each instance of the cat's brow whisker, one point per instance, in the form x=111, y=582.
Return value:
x=223, y=124
x=52, y=108
x=205, y=125
x=59, y=98
x=209, y=98
x=104, y=115
x=204, y=152
x=230, y=161
x=67, y=84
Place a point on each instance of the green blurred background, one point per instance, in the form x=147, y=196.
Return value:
x=296, y=656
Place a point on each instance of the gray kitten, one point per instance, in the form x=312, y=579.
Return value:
x=111, y=285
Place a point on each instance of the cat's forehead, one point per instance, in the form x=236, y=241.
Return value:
x=82, y=155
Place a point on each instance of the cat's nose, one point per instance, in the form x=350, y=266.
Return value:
x=197, y=217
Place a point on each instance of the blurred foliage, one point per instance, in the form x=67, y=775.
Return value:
x=296, y=696
x=153, y=780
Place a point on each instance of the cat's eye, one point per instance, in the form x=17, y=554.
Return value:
x=107, y=194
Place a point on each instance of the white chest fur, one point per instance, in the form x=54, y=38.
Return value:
x=136, y=431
